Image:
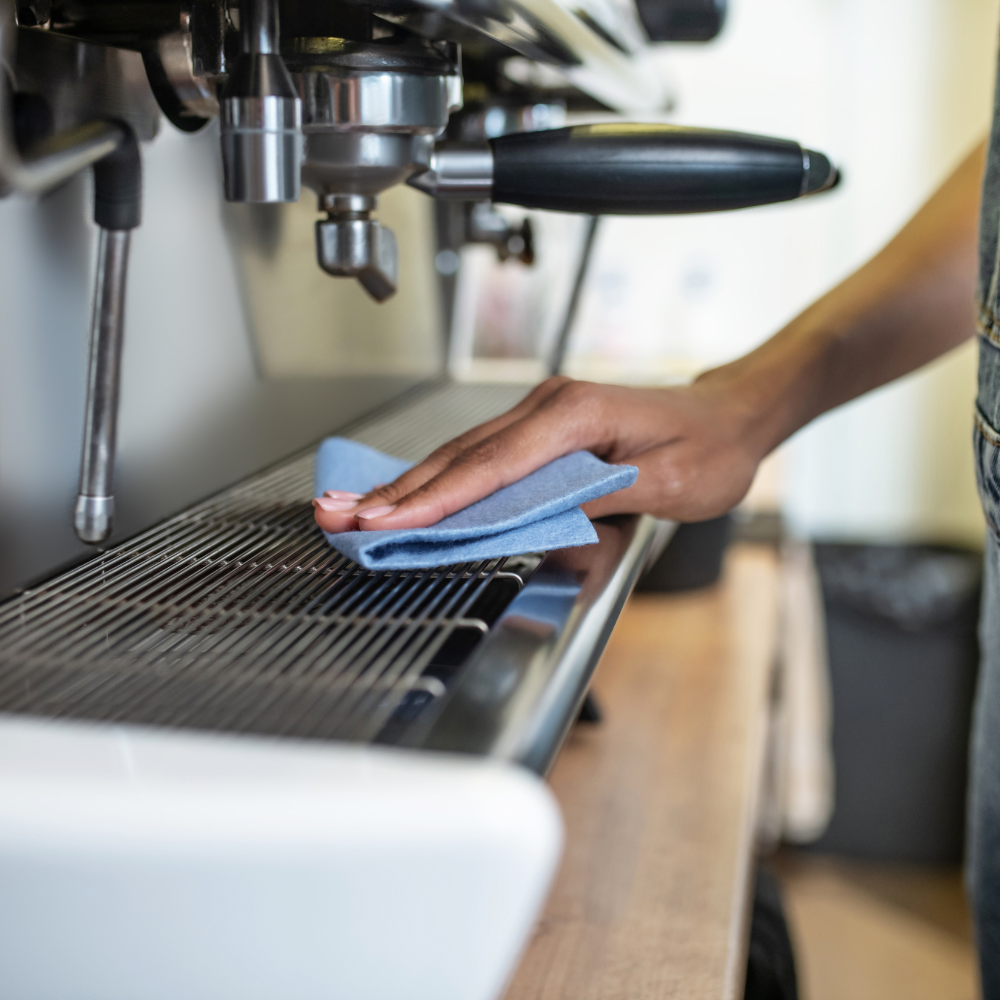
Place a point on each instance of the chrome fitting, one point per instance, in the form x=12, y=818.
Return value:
x=93, y=518
x=371, y=101
x=351, y=244
x=457, y=172
x=346, y=205
x=484, y=224
x=262, y=147
x=261, y=115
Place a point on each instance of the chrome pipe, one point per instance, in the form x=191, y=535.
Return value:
x=93, y=518
x=259, y=27
x=561, y=347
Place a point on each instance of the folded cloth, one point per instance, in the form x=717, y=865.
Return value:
x=536, y=513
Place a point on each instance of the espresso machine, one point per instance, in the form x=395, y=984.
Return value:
x=232, y=762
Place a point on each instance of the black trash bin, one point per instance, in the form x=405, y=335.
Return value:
x=692, y=559
x=901, y=631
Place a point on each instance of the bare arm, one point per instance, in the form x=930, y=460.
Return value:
x=698, y=447
x=909, y=304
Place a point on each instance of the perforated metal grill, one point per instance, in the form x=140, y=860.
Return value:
x=237, y=614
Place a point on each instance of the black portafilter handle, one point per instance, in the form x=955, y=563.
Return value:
x=632, y=169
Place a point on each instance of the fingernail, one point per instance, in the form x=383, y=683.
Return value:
x=371, y=512
x=325, y=503
x=342, y=495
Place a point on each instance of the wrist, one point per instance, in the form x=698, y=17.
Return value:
x=744, y=411
x=770, y=393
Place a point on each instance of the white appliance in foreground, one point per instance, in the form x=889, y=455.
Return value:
x=140, y=864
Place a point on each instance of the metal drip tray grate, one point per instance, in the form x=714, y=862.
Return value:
x=237, y=615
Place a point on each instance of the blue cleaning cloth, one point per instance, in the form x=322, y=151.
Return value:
x=536, y=513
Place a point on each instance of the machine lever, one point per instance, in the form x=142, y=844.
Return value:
x=624, y=168
x=117, y=211
x=648, y=169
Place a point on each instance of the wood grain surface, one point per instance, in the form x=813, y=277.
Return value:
x=659, y=801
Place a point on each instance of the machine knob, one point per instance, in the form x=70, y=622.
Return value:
x=682, y=20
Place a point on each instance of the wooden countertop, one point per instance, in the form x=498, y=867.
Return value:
x=660, y=801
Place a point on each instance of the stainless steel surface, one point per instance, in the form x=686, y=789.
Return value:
x=93, y=518
x=196, y=93
x=237, y=614
x=457, y=172
x=372, y=101
x=83, y=82
x=55, y=159
x=361, y=162
x=261, y=115
x=523, y=686
x=597, y=48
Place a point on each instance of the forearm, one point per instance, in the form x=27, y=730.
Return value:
x=905, y=307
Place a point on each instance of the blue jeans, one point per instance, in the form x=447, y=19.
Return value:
x=983, y=862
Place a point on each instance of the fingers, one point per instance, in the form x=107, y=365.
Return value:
x=442, y=457
x=567, y=420
x=335, y=516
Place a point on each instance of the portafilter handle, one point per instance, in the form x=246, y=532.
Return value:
x=117, y=211
x=629, y=169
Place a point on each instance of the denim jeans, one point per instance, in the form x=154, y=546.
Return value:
x=983, y=862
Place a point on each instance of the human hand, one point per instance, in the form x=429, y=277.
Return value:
x=694, y=446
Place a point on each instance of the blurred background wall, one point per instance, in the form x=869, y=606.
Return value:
x=898, y=91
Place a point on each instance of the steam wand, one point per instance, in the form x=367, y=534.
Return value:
x=117, y=211
x=112, y=149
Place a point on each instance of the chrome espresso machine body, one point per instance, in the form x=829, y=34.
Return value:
x=233, y=763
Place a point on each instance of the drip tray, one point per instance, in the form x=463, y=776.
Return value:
x=236, y=615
